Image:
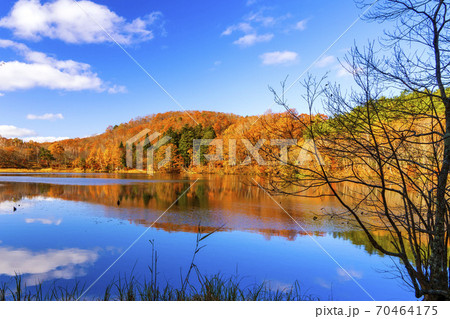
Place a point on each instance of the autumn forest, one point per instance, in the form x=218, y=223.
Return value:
x=106, y=152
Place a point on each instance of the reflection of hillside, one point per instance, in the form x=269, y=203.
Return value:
x=213, y=203
x=358, y=238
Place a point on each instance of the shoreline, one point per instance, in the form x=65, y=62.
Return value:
x=52, y=170
x=130, y=171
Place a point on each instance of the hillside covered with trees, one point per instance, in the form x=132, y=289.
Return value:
x=106, y=152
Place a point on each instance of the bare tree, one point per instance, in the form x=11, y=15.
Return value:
x=388, y=158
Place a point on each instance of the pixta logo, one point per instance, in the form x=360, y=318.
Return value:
x=144, y=141
x=149, y=142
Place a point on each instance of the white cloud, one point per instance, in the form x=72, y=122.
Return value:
x=251, y=39
x=348, y=274
x=46, y=117
x=7, y=207
x=279, y=57
x=44, y=139
x=249, y=27
x=10, y=131
x=44, y=71
x=301, y=25
x=243, y=27
x=17, y=75
x=341, y=72
x=2, y=94
x=76, y=22
x=26, y=262
x=345, y=70
x=264, y=20
x=117, y=89
x=326, y=61
x=44, y=221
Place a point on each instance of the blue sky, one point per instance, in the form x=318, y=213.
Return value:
x=61, y=75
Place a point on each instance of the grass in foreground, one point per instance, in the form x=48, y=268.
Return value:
x=214, y=288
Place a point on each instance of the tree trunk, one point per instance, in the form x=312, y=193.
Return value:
x=438, y=260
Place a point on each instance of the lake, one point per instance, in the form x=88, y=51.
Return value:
x=69, y=227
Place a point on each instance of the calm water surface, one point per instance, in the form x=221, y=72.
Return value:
x=70, y=226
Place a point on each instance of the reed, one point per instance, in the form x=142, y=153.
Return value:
x=127, y=288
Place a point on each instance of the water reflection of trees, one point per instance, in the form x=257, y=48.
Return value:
x=213, y=202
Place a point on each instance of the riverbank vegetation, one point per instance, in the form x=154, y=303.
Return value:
x=213, y=288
